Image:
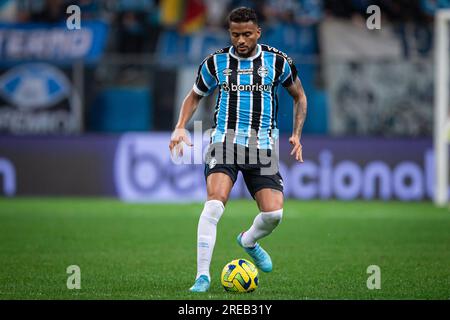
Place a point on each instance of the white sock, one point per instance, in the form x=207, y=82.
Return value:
x=206, y=235
x=263, y=225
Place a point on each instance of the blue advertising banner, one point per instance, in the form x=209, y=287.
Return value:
x=51, y=42
x=139, y=168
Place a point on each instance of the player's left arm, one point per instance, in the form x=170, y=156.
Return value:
x=300, y=106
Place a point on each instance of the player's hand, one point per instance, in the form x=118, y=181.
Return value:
x=297, y=150
x=176, y=141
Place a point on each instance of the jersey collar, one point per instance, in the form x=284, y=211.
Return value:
x=256, y=55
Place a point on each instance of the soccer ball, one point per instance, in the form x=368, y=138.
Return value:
x=239, y=275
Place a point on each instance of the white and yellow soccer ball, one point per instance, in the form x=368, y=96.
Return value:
x=239, y=275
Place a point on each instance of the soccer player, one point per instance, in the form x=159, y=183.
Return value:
x=244, y=135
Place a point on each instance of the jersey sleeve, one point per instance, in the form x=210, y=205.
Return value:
x=206, y=82
x=289, y=73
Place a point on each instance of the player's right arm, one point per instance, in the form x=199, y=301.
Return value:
x=190, y=104
x=204, y=85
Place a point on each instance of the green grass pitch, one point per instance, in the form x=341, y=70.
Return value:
x=321, y=250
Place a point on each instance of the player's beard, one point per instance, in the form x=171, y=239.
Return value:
x=248, y=54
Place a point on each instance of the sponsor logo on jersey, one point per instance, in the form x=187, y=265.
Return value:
x=225, y=87
x=289, y=60
x=227, y=72
x=245, y=71
x=247, y=87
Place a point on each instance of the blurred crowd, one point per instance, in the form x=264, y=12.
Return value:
x=396, y=11
x=137, y=23
x=164, y=28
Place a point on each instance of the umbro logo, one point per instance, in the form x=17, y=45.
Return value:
x=227, y=72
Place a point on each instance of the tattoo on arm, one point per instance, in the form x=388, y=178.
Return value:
x=300, y=106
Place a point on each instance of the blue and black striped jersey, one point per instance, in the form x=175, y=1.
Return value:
x=247, y=103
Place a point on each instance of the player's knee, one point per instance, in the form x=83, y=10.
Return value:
x=272, y=217
x=219, y=196
x=212, y=211
x=271, y=206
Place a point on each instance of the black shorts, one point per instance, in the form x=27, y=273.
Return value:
x=259, y=167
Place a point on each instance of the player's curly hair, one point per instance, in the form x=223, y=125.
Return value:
x=242, y=14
